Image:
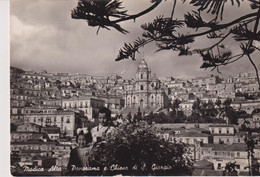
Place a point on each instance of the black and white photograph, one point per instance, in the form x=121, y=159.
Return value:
x=134, y=87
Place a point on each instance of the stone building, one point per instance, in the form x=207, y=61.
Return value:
x=146, y=91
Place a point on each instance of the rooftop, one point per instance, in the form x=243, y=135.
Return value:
x=27, y=132
x=221, y=125
x=225, y=147
x=192, y=134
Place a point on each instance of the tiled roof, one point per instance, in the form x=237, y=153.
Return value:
x=32, y=151
x=32, y=141
x=225, y=147
x=193, y=134
x=52, y=131
x=27, y=132
x=222, y=134
x=221, y=125
x=203, y=164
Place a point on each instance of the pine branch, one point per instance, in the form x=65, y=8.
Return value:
x=97, y=13
x=133, y=17
x=250, y=45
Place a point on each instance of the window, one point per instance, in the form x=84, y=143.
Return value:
x=227, y=131
x=141, y=76
x=219, y=131
x=238, y=140
x=142, y=87
x=232, y=154
x=219, y=165
x=238, y=154
x=216, y=153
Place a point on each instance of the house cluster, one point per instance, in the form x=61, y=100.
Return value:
x=242, y=89
x=47, y=109
x=212, y=146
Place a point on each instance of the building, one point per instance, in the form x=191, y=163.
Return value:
x=221, y=154
x=223, y=90
x=146, y=91
x=67, y=121
x=248, y=105
x=222, y=134
x=52, y=132
x=203, y=81
x=186, y=107
x=28, y=127
x=20, y=136
x=115, y=104
x=89, y=105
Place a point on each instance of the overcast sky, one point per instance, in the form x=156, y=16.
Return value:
x=45, y=37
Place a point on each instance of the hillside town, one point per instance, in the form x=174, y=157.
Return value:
x=211, y=114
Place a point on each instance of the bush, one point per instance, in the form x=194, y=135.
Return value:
x=137, y=149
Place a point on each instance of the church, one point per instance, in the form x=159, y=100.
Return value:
x=145, y=91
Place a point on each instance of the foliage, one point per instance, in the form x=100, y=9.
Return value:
x=99, y=12
x=230, y=169
x=167, y=32
x=250, y=142
x=204, y=109
x=136, y=147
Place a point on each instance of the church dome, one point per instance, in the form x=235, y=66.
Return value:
x=154, y=77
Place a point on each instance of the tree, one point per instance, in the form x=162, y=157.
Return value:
x=196, y=108
x=250, y=142
x=218, y=102
x=230, y=169
x=176, y=105
x=168, y=34
x=129, y=116
x=138, y=150
x=230, y=112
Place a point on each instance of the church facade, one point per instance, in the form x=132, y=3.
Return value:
x=145, y=91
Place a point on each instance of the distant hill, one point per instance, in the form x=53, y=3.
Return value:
x=15, y=71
